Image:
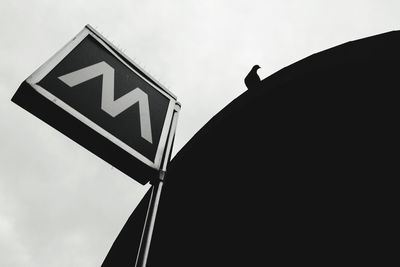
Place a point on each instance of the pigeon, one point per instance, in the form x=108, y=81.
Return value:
x=252, y=79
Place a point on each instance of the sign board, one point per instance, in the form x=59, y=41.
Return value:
x=97, y=96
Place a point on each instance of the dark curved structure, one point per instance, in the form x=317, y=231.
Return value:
x=300, y=170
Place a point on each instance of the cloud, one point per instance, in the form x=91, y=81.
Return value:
x=64, y=206
x=12, y=250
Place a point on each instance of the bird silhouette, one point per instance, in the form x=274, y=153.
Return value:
x=252, y=79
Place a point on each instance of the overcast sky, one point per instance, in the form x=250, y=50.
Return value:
x=62, y=206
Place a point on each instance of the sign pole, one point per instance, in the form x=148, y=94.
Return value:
x=144, y=247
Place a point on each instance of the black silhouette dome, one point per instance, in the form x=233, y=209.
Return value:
x=299, y=171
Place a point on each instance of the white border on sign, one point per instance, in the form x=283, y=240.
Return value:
x=43, y=70
x=174, y=124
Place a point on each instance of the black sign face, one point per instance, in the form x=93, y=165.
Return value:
x=89, y=66
x=94, y=82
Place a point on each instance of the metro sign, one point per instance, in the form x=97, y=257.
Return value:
x=98, y=97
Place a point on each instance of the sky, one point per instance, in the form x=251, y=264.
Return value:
x=60, y=205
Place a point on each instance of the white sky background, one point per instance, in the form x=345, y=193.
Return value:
x=62, y=206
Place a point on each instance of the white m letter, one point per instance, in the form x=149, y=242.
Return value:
x=108, y=104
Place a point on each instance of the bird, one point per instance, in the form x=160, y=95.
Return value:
x=252, y=80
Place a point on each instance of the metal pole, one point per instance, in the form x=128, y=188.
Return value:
x=141, y=260
x=144, y=247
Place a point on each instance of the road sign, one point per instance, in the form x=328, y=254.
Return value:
x=97, y=96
